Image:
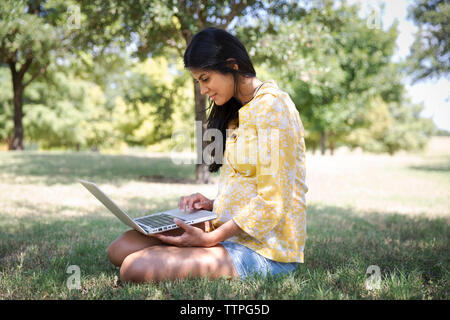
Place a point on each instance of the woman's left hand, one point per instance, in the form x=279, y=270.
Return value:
x=192, y=236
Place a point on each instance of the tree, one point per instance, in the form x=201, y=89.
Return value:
x=30, y=39
x=391, y=127
x=332, y=62
x=430, y=52
x=67, y=112
x=146, y=98
x=38, y=35
x=155, y=27
x=409, y=131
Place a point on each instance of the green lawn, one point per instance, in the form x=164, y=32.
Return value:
x=363, y=210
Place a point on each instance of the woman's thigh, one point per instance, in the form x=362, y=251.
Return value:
x=132, y=241
x=160, y=262
x=127, y=243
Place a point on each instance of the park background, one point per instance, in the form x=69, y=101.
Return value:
x=95, y=89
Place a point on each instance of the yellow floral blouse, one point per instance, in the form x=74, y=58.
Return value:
x=262, y=179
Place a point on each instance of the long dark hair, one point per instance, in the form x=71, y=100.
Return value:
x=209, y=50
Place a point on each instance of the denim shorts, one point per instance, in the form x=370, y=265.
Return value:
x=249, y=262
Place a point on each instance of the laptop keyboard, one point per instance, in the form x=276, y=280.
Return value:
x=157, y=221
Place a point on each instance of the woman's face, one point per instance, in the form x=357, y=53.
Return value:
x=219, y=87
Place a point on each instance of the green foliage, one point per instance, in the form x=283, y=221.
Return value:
x=91, y=91
x=410, y=132
x=392, y=127
x=333, y=63
x=155, y=102
x=25, y=36
x=36, y=36
x=170, y=24
x=375, y=122
x=430, y=52
x=70, y=113
x=442, y=133
x=142, y=108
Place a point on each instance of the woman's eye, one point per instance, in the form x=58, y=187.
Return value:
x=205, y=80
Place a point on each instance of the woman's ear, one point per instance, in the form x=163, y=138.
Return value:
x=232, y=63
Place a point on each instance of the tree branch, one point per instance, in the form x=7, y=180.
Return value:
x=12, y=67
x=235, y=10
x=25, y=67
x=201, y=16
x=37, y=74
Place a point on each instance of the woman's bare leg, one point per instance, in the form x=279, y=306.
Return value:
x=127, y=243
x=132, y=241
x=161, y=262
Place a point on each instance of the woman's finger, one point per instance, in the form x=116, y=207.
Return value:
x=181, y=224
x=184, y=203
x=200, y=205
x=180, y=203
x=190, y=202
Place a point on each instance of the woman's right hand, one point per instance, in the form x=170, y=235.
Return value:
x=195, y=201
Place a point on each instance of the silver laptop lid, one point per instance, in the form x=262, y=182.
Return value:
x=111, y=205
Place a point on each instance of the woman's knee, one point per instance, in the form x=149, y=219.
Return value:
x=137, y=269
x=120, y=248
x=113, y=254
x=128, y=272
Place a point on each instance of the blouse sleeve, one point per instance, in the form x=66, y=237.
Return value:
x=275, y=167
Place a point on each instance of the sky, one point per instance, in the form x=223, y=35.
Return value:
x=433, y=94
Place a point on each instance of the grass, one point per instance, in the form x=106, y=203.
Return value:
x=363, y=210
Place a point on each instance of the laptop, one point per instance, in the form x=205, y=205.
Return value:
x=153, y=223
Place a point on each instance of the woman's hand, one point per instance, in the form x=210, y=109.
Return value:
x=195, y=237
x=191, y=237
x=195, y=201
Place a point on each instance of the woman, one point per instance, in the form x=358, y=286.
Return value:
x=261, y=224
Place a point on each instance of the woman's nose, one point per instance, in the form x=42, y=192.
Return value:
x=203, y=90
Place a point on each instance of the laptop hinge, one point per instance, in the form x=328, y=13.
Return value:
x=143, y=226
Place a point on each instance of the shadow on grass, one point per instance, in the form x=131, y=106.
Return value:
x=67, y=168
x=432, y=168
x=337, y=239
x=443, y=166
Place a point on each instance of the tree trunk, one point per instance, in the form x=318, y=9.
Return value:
x=202, y=174
x=17, y=143
x=9, y=141
x=331, y=147
x=19, y=88
x=323, y=142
